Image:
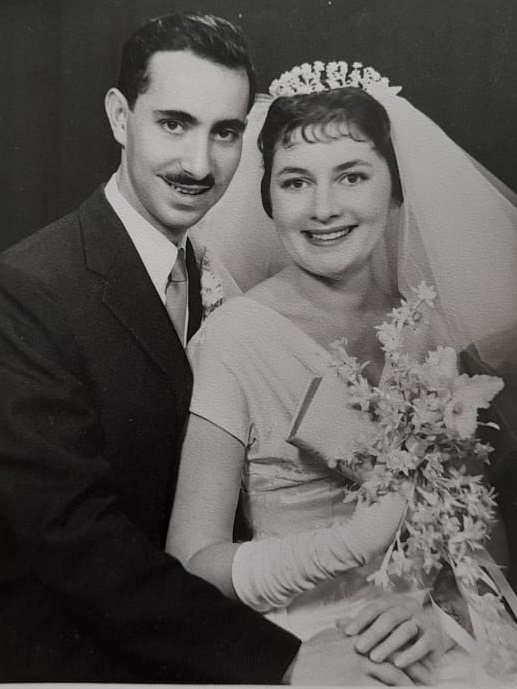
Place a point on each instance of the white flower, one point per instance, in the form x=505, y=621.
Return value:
x=402, y=461
x=389, y=336
x=440, y=367
x=468, y=395
x=425, y=293
x=212, y=293
x=467, y=571
x=426, y=410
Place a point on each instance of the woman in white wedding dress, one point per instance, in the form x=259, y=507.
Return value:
x=357, y=238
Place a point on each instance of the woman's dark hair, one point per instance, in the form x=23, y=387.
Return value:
x=204, y=35
x=360, y=115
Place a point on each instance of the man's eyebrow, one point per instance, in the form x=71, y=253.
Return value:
x=186, y=118
x=179, y=115
x=231, y=123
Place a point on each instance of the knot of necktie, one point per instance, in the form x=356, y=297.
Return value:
x=179, y=269
x=176, y=295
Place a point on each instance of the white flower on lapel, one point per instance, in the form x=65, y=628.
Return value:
x=212, y=292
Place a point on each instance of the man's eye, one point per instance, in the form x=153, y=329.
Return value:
x=228, y=135
x=172, y=126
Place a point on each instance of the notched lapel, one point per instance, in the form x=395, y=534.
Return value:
x=130, y=295
x=129, y=292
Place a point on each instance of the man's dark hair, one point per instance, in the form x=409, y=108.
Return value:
x=209, y=37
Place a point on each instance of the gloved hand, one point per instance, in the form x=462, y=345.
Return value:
x=270, y=573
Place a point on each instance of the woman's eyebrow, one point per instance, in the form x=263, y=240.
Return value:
x=351, y=163
x=292, y=170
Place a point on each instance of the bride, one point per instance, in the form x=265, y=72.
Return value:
x=368, y=198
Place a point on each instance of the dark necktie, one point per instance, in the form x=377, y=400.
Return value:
x=176, y=295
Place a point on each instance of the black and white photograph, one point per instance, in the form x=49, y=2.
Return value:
x=258, y=342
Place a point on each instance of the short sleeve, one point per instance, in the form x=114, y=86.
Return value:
x=219, y=376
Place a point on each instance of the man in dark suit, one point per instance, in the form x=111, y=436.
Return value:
x=95, y=392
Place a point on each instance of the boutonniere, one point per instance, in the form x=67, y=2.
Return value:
x=212, y=291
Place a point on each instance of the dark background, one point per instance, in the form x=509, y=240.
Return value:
x=457, y=61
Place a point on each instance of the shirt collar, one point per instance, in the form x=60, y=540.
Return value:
x=158, y=254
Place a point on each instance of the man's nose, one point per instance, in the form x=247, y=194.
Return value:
x=325, y=204
x=196, y=156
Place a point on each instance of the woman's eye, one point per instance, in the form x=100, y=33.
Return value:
x=294, y=184
x=353, y=178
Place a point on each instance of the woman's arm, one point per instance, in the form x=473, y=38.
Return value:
x=201, y=526
x=201, y=531
x=268, y=573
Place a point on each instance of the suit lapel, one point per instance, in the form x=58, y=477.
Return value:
x=132, y=298
x=195, y=306
x=129, y=292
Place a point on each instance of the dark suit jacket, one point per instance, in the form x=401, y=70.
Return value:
x=95, y=389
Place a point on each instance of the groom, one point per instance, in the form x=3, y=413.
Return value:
x=95, y=311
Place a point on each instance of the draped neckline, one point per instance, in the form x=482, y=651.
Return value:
x=297, y=331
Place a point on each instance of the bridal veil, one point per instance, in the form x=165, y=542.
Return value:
x=456, y=229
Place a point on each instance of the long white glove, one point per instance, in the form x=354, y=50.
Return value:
x=270, y=573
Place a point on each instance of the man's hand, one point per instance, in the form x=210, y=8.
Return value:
x=329, y=658
x=398, y=629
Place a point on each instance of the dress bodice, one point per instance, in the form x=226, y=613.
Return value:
x=266, y=364
x=259, y=365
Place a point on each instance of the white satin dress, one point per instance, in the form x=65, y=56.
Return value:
x=251, y=368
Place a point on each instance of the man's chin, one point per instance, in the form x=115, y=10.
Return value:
x=181, y=221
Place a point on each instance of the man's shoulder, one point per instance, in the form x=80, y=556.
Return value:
x=38, y=240
x=58, y=244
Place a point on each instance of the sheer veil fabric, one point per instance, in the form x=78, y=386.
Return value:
x=456, y=229
x=237, y=228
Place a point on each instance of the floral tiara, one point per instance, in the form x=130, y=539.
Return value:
x=319, y=76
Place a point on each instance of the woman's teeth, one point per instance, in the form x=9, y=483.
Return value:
x=329, y=236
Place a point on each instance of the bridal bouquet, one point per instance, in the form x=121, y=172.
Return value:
x=422, y=421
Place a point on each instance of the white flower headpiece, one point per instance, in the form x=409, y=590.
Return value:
x=307, y=78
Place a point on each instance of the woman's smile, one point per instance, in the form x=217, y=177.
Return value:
x=328, y=236
x=330, y=202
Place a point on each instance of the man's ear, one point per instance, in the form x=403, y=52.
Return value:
x=117, y=110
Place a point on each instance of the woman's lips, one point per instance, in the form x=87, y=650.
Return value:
x=329, y=235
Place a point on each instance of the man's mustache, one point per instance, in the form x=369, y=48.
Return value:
x=185, y=180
